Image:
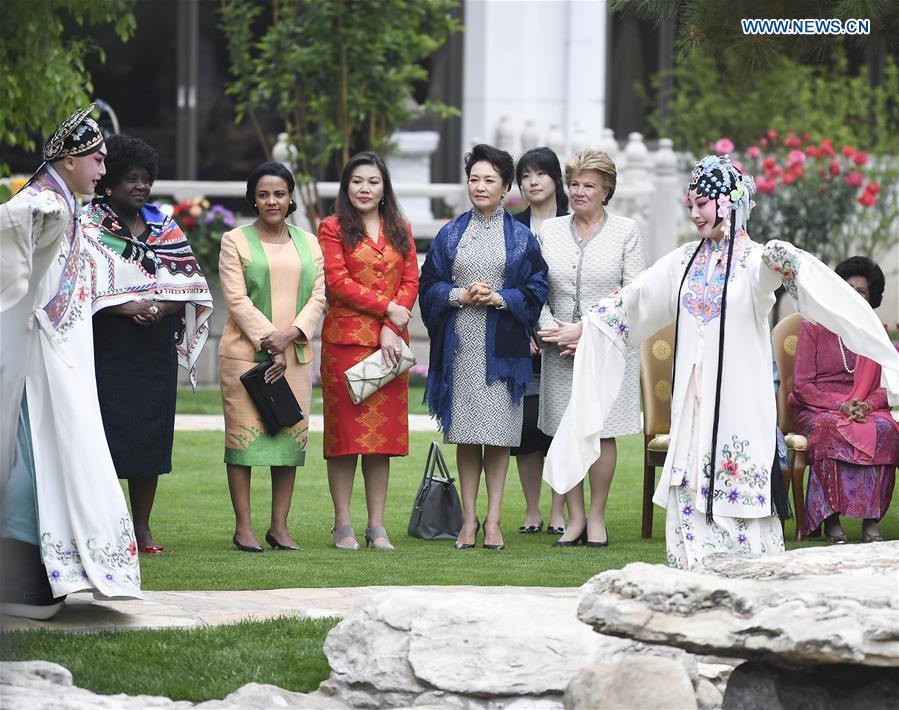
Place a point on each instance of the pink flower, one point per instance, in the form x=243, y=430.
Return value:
x=827, y=148
x=795, y=156
x=860, y=158
x=872, y=187
x=773, y=135
x=854, y=178
x=766, y=187
x=763, y=141
x=723, y=146
x=835, y=168
x=753, y=151
x=731, y=467
x=768, y=163
x=724, y=204
x=793, y=142
x=789, y=179
x=848, y=151
x=813, y=152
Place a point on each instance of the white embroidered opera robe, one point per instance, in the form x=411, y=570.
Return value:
x=85, y=532
x=743, y=518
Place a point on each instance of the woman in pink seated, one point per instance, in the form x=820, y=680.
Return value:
x=853, y=442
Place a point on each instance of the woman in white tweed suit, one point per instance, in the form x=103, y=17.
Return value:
x=590, y=253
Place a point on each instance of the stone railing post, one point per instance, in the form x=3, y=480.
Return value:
x=410, y=162
x=666, y=209
x=634, y=177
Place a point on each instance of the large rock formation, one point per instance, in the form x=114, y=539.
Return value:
x=470, y=650
x=822, y=605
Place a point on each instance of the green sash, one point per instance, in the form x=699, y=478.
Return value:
x=259, y=282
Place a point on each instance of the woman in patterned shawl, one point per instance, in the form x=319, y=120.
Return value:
x=151, y=306
x=482, y=286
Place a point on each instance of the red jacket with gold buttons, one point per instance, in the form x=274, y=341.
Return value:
x=360, y=282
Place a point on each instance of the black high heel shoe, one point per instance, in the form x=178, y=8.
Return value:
x=270, y=539
x=591, y=543
x=492, y=547
x=245, y=548
x=582, y=538
x=466, y=546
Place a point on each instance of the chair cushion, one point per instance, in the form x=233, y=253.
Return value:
x=796, y=442
x=659, y=443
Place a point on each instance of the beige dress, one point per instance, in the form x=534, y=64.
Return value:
x=579, y=276
x=246, y=441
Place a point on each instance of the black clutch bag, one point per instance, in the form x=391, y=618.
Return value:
x=274, y=400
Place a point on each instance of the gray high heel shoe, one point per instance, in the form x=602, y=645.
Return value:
x=341, y=533
x=372, y=534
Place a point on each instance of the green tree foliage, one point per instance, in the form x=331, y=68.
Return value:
x=717, y=97
x=339, y=73
x=44, y=77
x=713, y=27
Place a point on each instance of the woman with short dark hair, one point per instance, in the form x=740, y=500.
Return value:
x=371, y=273
x=853, y=442
x=151, y=310
x=273, y=282
x=539, y=177
x=482, y=286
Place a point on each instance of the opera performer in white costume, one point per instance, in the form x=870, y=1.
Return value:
x=65, y=525
x=719, y=290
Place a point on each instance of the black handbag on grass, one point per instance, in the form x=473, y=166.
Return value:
x=437, y=512
x=274, y=401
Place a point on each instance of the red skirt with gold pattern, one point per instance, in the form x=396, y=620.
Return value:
x=377, y=425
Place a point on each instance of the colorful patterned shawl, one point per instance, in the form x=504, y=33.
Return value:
x=160, y=266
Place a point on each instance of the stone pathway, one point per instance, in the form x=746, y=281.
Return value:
x=216, y=422
x=201, y=609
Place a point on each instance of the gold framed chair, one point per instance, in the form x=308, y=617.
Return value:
x=656, y=362
x=784, y=338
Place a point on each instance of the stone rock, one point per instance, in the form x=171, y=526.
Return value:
x=837, y=605
x=635, y=682
x=271, y=697
x=708, y=697
x=40, y=684
x=822, y=687
x=468, y=650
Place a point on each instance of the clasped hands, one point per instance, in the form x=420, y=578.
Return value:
x=480, y=293
x=565, y=335
x=855, y=410
x=275, y=343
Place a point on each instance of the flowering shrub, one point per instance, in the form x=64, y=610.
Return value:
x=809, y=193
x=204, y=224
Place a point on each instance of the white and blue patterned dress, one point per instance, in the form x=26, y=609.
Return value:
x=481, y=413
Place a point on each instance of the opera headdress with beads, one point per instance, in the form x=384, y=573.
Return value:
x=717, y=178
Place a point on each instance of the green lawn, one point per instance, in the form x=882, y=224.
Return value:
x=194, y=665
x=194, y=520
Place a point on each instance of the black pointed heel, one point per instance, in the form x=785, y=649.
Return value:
x=245, y=548
x=270, y=539
x=582, y=538
x=466, y=546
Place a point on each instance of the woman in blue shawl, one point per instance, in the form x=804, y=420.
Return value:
x=481, y=290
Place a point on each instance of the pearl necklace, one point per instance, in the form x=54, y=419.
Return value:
x=843, y=355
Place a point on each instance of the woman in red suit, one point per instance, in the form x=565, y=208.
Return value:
x=371, y=276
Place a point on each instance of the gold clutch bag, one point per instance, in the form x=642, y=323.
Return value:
x=369, y=375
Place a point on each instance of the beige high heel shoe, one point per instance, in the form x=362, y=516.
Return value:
x=375, y=533
x=343, y=532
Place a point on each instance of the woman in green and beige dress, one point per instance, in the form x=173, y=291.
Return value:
x=274, y=287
